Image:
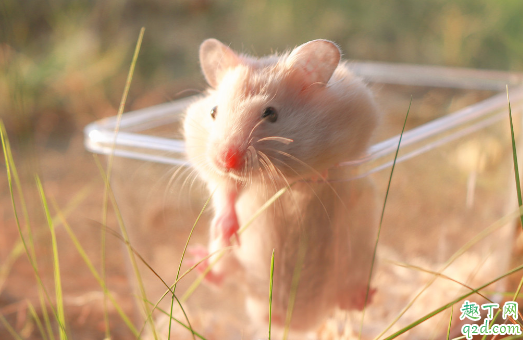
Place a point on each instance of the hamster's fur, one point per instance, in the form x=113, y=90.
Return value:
x=282, y=122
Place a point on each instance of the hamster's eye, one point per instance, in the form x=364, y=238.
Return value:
x=214, y=110
x=270, y=114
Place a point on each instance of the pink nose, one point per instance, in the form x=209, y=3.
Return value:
x=232, y=159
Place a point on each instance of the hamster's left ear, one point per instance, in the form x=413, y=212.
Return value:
x=216, y=59
x=315, y=61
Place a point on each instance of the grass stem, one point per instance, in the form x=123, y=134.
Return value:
x=381, y=221
x=270, y=293
x=109, y=170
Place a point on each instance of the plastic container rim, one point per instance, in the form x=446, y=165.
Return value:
x=99, y=136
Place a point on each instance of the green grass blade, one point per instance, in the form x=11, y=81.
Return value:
x=502, y=222
x=140, y=257
x=518, y=185
x=181, y=261
x=513, y=337
x=450, y=304
x=450, y=322
x=13, y=255
x=18, y=248
x=381, y=221
x=37, y=320
x=516, y=293
x=188, y=326
x=47, y=321
x=516, y=175
x=109, y=170
x=32, y=259
x=10, y=329
x=93, y=271
x=155, y=306
x=130, y=253
x=515, y=157
x=266, y=205
x=27, y=246
x=178, y=321
x=20, y=192
x=409, y=266
x=56, y=263
x=169, y=289
x=484, y=337
x=270, y=293
x=302, y=251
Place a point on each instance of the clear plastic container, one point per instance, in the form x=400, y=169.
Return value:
x=453, y=181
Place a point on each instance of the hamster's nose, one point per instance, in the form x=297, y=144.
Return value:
x=232, y=159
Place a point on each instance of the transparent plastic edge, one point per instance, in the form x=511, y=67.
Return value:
x=436, y=76
x=437, y=126
x=99, y=136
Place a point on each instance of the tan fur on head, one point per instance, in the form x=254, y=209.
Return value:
x=322, y=107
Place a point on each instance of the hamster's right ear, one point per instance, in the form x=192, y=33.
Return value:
x=315, y=61
x=216, y=59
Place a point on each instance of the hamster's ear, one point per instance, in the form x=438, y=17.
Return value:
x=315, y=61
x=215, y=59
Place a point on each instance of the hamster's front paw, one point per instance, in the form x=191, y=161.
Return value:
x=200, y=255
x=226, y=226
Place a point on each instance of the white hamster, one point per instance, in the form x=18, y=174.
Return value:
x=264, y=124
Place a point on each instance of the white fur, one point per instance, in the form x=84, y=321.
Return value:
x=330, y=115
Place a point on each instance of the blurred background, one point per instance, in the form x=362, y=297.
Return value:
x=63, y=64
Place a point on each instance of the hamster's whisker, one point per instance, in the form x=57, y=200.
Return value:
x=299, y=161
x=196, y=124
x=272, y=168
x=262, y=176
x=283, y=177
x=249, y=158
x=271, y=177
x=314, y=171
x=269, y=172
x=275, y=169
x=188, y=90
x=287, y=184
x=252, y=130
x=275, y=94
x=254, y=156
x=268, y=162
x=174, y=177
x=179, y=173
x=192, y=174
x=308, y=184
x=283, y=140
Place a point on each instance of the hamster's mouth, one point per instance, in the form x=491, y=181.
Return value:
x=234, y=175
x=238, y=175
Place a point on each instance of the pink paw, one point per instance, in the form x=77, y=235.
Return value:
x=227, y=226
x=199, y=253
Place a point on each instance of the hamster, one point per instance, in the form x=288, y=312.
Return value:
x=286, y=121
